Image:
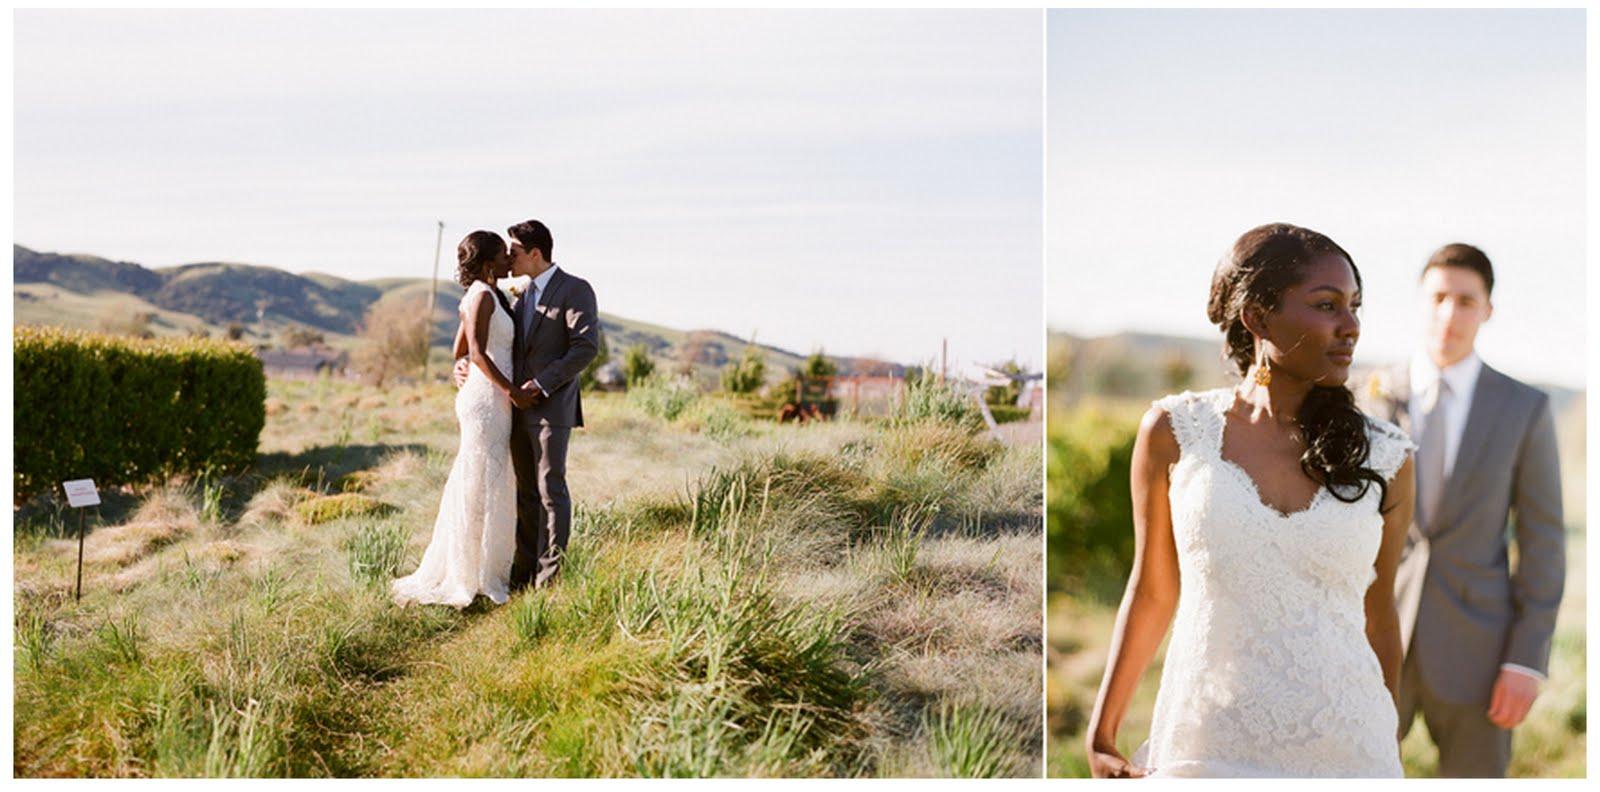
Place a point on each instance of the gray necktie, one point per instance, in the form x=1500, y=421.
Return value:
x=530, y=301
x=1430, y=458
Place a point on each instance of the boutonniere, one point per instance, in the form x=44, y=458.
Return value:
x=517, y=288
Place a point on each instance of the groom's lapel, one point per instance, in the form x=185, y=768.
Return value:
x=546, y=297
x=1488, y=400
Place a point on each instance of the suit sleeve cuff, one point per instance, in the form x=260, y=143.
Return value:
x=1522, y=669
x=542, y=391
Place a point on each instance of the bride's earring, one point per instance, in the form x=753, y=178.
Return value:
x=1263, y=374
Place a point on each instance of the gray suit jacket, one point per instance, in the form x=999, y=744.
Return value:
x=563, y=339
x=1463, y=610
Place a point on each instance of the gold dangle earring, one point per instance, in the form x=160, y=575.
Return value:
x=1263, y=374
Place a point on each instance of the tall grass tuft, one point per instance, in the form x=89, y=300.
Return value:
x=121, y=641
x=720, y=503
x=242, y=743
x=376, y=551
x=212, y=493
x=748, y=674
x=902, y=541
x=530, y=618
x=969, y=741
x=33, y=639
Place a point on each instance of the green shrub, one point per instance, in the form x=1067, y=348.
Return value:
x=1004, y=395
x=818, y=366
x=1007, y=413
x=928, y=399
x=719, y=420
x=126, y=411
x=665, y=398
x=637, y=365
x=747, y=374
x=1089, y=518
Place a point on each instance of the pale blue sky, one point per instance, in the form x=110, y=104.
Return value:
x=863, y=181
x=1394, y=132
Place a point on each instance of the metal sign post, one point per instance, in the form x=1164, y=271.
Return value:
x=433, y=297
x=81, y=494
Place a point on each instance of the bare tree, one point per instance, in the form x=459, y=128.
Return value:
x=137, y=325
x=392, y=341
x=698, y=347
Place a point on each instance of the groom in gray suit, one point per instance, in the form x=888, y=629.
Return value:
x=1477, y=632
x=557, y=334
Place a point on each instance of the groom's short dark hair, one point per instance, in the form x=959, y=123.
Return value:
x=1460, y=254
x=534, y=236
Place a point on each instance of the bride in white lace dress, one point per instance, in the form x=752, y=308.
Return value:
x=474, y=536
x=1279, y=511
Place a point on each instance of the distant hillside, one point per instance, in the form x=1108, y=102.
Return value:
x=90, y=292
x=1137, y=367
x=1149, y=365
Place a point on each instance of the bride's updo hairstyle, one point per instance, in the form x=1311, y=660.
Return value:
x=475, y=254
x=1263, y=263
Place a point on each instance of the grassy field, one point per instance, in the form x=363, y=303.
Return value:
x=842, y=599
x=1552, y=742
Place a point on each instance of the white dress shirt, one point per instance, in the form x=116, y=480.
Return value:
x=1462, y=377
x=537, y=285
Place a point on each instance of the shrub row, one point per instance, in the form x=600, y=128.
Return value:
x=128, y=411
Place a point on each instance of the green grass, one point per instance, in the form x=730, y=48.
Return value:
x=377, y=552
x=843, y=599
x=969, y=741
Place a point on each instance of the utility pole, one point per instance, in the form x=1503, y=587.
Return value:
x=944, y=357
x=433, y=299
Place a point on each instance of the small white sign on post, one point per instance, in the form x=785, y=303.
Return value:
x=81, y=493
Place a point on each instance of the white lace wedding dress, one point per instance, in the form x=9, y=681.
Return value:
x=474, y=536
x=1268, y=671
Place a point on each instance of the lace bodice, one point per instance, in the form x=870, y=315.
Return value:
x=498, y=347
x=1268, y=671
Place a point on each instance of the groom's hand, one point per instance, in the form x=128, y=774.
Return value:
x=522, y=396
x=1513, y=696
x=459, y=373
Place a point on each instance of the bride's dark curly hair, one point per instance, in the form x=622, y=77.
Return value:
x=476, y=252
x=1264, y=262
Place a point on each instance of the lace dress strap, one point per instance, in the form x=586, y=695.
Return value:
x=480, y=286
x=1388, y=447
x=466, y=297
x=1195, y=420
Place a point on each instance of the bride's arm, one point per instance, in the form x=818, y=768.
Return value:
x=459, y=349
x=1383, y=624
x=1150, y=599
x=477, y=316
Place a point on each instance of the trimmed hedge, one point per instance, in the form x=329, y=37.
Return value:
x=126, y=411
